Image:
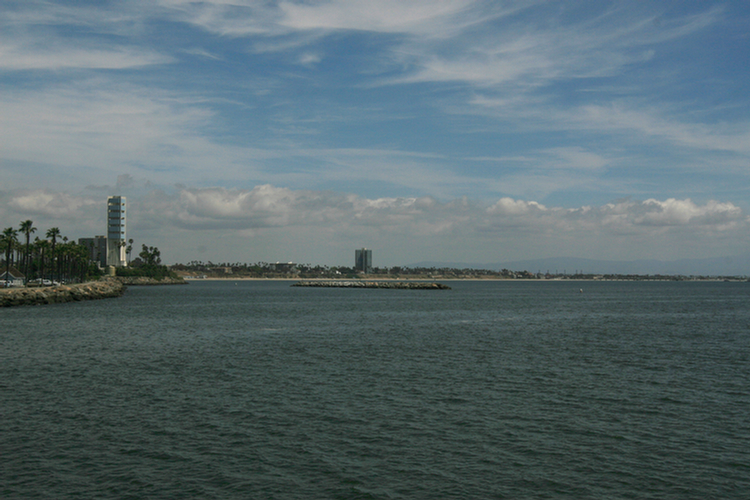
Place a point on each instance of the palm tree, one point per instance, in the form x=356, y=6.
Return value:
x=81, y=259
x=27, y=227
x=53, y=233
x=129, y=250
x=122, y=246
x=9, y=239
x=42, y=246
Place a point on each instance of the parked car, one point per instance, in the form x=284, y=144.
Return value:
x=40, y=282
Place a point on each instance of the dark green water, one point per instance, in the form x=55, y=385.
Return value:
x=489, y=390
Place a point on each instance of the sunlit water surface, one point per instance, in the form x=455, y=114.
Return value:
x=489, y=390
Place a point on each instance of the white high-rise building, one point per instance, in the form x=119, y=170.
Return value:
x=116, y=240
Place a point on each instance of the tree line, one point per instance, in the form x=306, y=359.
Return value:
x=52, y=257
x=271, y=270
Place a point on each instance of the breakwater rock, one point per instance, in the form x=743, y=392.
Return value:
x=92, y=290
x=401, y=285
x=144, y=281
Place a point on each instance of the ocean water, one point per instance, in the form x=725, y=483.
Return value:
x=490, y=390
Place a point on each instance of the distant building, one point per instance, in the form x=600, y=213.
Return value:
x=116, y=239
x=363, y=260
x=97, y=247
x=283, y=267
x=11, y=277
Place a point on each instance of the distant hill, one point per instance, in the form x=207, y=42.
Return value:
x=724, y=266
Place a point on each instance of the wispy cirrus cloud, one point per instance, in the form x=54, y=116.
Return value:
x=435, y=19
x=390, y=120
x=87, y=125
x=15, y=57
x=620, y=117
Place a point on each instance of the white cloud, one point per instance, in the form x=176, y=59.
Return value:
x=518, y=65
x=317, y=223
x=53, y=205
x=267, y=206
x=385, y=16
x=107, y=128
x=264, y=206
x=733, y=137
x=14, y=58
x=236, y=18
x=531, y=54
x=509, y=206
x=576, y=158
x=309, y=59
x=673, y=212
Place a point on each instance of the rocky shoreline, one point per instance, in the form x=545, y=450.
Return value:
x=143, y=281
x=400, y=285
x=93, y=290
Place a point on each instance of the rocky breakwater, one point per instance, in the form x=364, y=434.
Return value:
x=144, y=281
x=92, y=290
x=400, y=285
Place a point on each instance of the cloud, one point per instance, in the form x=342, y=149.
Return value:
x=53, y=205
x=385, y=16
x=316, y=223
x=14, y=58
x=309, y=59
x=649, y=216
x=104, y=127
x=509, y=206
x=374, y=113
x=622, y=117
x=576, y=158
x=674, y=212
x=267, y=206
x=517, y=55
x=236, y=18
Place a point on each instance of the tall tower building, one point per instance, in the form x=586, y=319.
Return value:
x=116, y=240
x=363, y=260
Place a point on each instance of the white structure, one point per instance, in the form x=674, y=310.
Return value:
x=116, y=240
x=12, y=277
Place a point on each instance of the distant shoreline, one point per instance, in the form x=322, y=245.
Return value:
x=382, y=284
x=644, y=278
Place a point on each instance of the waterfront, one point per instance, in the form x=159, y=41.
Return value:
x=489, y=390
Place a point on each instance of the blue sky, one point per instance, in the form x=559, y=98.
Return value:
x=444, y=130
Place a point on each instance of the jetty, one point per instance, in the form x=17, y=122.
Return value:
x=393, y=285
x=146, y=281
x=30, y=296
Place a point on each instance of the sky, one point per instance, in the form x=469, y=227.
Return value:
x=442, y=130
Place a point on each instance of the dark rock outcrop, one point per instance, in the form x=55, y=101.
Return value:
x=401, y=285
x=93, y=290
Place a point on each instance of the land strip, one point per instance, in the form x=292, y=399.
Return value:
x=30, y=296
x=405, y=285
x=145, y=281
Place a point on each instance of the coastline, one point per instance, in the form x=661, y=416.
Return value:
x=391, y=285
x=709, y=279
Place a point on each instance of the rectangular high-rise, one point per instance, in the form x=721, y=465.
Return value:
x=363, y=260
x=116, y=240
x=97, y=247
